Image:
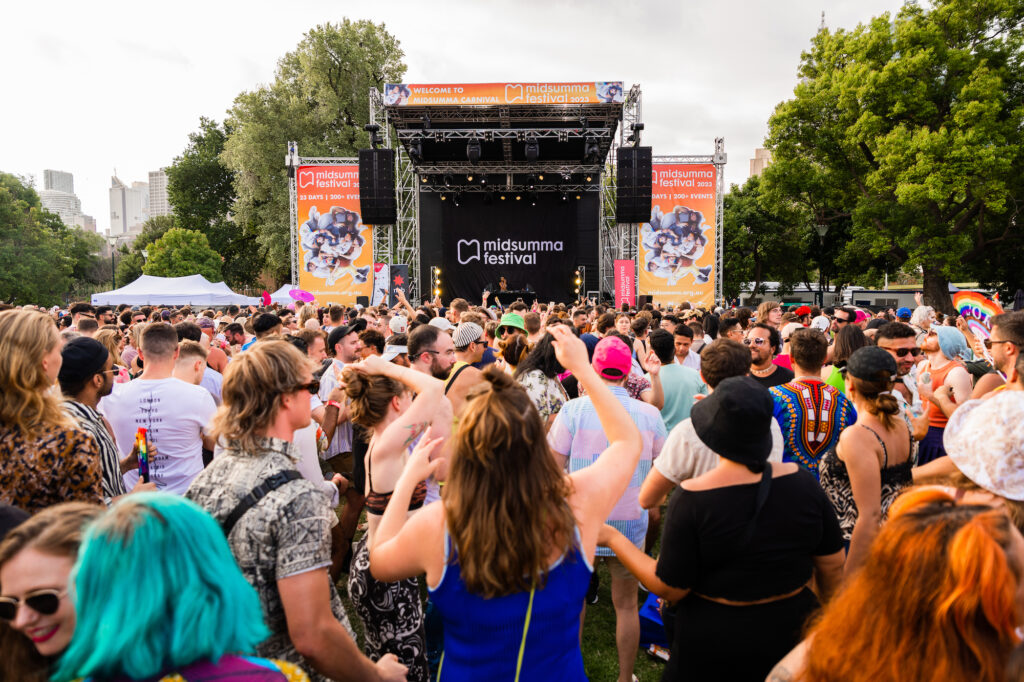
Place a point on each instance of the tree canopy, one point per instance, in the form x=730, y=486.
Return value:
x=180, y=252
x=319, y=98
x=910, y=126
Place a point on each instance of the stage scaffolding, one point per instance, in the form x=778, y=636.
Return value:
x=400, y=243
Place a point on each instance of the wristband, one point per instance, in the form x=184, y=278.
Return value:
x=334, y=403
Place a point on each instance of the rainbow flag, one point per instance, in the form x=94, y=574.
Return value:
x=977, y=311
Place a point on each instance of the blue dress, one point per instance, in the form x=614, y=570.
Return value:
x=483, y=637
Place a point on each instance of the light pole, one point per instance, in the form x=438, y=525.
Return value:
x=822, y=229
x=112, y=241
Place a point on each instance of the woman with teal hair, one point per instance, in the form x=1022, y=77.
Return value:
x=158, y=595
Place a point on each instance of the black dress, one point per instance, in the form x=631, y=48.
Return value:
x=704, y=550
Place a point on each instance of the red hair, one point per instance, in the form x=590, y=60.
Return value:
x=935, y=599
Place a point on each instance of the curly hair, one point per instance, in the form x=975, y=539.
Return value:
x=26, y=404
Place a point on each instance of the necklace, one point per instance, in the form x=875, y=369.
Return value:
x=763, y=372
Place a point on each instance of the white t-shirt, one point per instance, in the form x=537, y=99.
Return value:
x=309, y=463
x=685, y=456
x=213, y=381
x=175, y=415
x=342, y=441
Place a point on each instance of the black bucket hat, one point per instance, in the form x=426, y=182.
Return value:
x=735, y=420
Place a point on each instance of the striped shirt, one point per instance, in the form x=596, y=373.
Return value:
x=577, y=434
x=91, y=422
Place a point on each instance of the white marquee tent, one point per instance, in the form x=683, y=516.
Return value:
x=190, y=290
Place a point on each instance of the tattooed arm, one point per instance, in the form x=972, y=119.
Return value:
x=791, y=668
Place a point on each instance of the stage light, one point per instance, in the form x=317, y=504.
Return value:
x=583, y=122
x=532, y=148
x=424, y=178
x=566, y=177
x=448, y=179
x=444, y=197
x=531, y=180
x=589, y=178
x=591, y=150
x=483, y=180
x=578, y=197
x=473, y=150
x=577, y=290
x=458, y=198
x=541, y=177
x=469, y=178
x=416, y=151
x=565, y=197
x=518, y=197
x=502, y=196
x=425, y=119
x=533, y=198
x=577, y=281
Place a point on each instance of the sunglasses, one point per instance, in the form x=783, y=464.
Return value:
x=902, y=352
x=756, y=342
x=840, y=320
x=989, y=343
x=313, y=387
x=44, y=602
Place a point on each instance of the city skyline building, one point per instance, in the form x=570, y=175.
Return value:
x=129, y=207
x=61, y=181
x=158, y=203
x=762, y=159
x=64, y=205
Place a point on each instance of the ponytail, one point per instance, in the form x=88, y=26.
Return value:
x=879, y=399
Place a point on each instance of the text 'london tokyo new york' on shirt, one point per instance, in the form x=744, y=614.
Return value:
x=175, y=414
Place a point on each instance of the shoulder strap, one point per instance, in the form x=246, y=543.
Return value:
x=452, y=378
x=258, y=493
x=885, y=452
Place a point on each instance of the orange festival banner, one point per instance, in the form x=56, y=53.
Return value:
x=335, y=248
x=677, y=246
x=405, y=94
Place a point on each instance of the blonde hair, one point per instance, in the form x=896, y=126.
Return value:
x=307, y=312
x=191, y=349
x=110, y=339
x=763, y=310
x=253, y=385
x=505, y=498
x=26, y=402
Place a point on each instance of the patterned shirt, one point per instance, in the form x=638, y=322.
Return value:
x=287, y=533
x=546, y=394
x=57, y=465
x=90, y=420
x=811, y=415
x=577, y=433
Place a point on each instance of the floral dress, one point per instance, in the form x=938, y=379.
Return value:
x=545, y=392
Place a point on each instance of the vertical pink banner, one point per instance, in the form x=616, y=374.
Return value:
x=625, y=282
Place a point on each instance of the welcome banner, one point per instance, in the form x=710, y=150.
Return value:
x=335, y=248
x=600, y=92
x=677, y=246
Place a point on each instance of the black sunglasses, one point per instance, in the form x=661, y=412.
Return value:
x=989, y=343
x=902, y=352
x=313, y=387
x=45, y=602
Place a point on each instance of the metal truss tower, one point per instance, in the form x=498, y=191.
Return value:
x=618, y=240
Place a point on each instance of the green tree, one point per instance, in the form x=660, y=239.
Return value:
x=319, y=98
x=183, y=252
x=201, y=190
x=130, y=259
x=36, y=265
x=910, y=126
x=760, y=244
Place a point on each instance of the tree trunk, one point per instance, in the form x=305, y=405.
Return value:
x=936, y=291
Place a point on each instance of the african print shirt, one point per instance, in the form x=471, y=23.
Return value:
x=811, y=415
x=287, y=533
x=57, y=465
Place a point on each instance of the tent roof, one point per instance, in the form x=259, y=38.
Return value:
x=192, y=290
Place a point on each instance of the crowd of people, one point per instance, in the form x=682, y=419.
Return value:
x=812, y=494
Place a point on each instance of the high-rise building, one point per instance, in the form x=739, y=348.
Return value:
x=129, y=206
x=61, y=181
x=762, y=159
x=158, y=204
x=64, y=204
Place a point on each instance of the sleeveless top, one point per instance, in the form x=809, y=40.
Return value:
x=524, y=636
x=453, y=374
x=376, y=502
x=835, y=479
x=935, y=416
x=227, y=668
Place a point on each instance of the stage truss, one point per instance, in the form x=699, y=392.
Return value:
x=400, y=243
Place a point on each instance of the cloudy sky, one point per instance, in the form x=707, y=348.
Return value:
x=94, y=87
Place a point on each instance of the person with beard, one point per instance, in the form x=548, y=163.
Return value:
x=431, y=351
x=86, y=375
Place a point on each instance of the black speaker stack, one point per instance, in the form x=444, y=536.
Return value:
x=377, y=186
x=633, y=178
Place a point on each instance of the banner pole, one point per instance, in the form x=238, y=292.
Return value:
x=293, y=161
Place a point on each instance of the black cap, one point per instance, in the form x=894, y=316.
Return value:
x=264, y=322
x=735, y=420
x=82, y=357
x=871, y=363
x=338, y=333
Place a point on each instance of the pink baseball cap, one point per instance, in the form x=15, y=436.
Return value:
x=862, y=316
x=612, y=358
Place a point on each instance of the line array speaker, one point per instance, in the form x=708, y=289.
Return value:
x=633, y=175
x=377, y=186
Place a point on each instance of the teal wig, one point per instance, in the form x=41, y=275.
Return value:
x=157, y=588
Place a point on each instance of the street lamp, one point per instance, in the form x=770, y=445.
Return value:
x=112, y=241
x=822, y=230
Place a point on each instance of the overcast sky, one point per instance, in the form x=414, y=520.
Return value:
x=90, y=87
